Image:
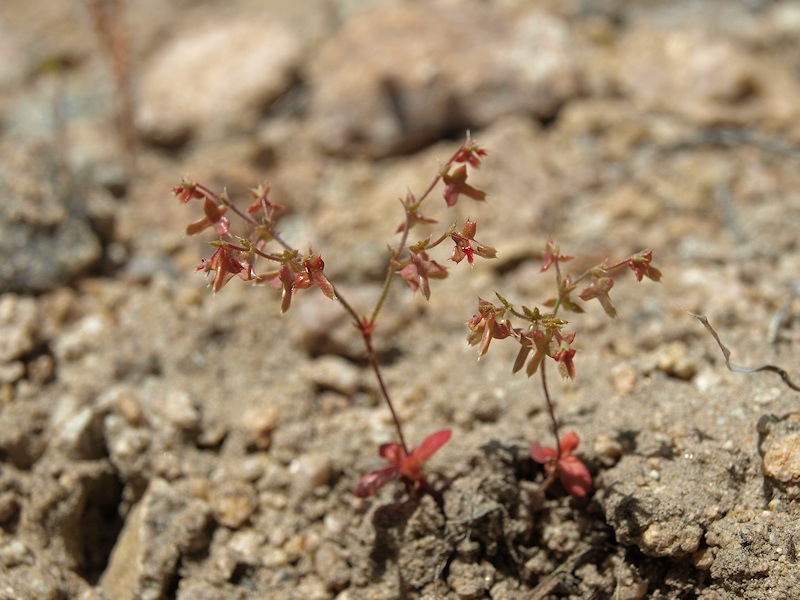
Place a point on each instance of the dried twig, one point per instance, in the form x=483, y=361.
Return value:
x=109, y=25
x=738, y=368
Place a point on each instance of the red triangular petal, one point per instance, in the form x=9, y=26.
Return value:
x=430, y=445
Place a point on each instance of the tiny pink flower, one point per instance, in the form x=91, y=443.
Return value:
x=467, y=246
x=484, y=327
x=456, y=184
x=418, y=270
x=599, y=289
x=640, y=264
x=471, y=154
x=225, y=263
x=551, y=256
x=214, y=215
x=187, y=190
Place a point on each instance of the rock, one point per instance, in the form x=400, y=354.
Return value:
x=308, y=472
x=12, y=372
x=173, y=409
x=664, y=539
x=10, y=501
x=233, y=503
x=608, y=449
x=471, y=581
x=779, y=445
x=46, y=235
x=166, y=523
x=336, y=373
x=414, y=72
x=19, y=327
x=676, y=360
x=331, y=566
x=77, y=430
x=216, y=80
x=15, y=553
x=647, y=504
x=31, y=582
x=20, y=441
x=259, y=425
x=625, y=376
x=75, y=342
x=749, y=545
x=703, y=78
x=782, y=459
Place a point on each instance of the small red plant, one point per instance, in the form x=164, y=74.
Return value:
x=292, y=270
x=407, y=467
x=574, y=475
x=545, y=337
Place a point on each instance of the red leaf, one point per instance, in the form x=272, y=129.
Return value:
x=430, y=445
x=375, y=480
x=574, y=476
x=542, y=454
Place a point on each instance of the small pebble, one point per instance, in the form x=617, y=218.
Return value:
x=19, y=325
x=179, y=410
x=308, y=472
x=608, y=449
x=703, y=559
x=626, y=376
x=331, y=566
x=782, y=459
x=9, y=506
x=335, y=373
x=247, y=544
x=15, y=553
x=12, y=372
x=674, y=360
x=259, y=425
x=233, y=503
x=661, y=540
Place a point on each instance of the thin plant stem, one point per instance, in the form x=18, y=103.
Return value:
x=401, y=244
x=366, y=328
x=373, y=361
x=365, y=325
x=550, y=409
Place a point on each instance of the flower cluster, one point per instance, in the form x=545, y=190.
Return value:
x=292, y=270
x=544, y=336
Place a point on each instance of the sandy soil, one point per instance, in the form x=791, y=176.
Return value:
x=160, y=441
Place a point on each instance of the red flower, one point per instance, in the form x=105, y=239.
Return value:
x=574, y=475
x=225, y=263
x=551, y=256
x=456, y=184
x=484, y=326
x=467, y=246
x=187, y=190
x=470, y=153
x=293, y=275
x=599, y=289
x=418, y=270
x=640, y=264
x=408, y=467
x=214, y=215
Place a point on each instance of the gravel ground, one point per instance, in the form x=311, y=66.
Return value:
x=161, y=441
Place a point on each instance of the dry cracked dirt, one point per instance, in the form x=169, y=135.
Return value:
x=160, y=441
